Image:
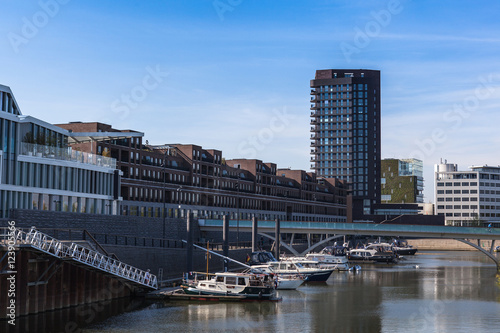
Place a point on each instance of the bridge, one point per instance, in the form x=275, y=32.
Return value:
x=462, y=234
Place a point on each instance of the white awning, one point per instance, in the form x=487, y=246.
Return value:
x=79, y=137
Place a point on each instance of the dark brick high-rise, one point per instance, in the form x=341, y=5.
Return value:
x=345, y=132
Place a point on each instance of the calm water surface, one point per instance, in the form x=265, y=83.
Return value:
x=430, y=292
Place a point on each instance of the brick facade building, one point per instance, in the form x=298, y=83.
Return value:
x=170, y=179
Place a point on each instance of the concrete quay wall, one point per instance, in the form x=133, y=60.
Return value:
x=43, y=283
x=447, y=244
x=103, y=224
x=173, y=261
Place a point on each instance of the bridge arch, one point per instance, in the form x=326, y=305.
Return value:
x=295, y=252
x=289, y=248
x=319, y=243
x=479, y=248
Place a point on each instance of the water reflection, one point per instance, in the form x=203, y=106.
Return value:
x=74, y=318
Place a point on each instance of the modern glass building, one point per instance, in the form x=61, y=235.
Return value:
x=345, y=132
x=38, y=170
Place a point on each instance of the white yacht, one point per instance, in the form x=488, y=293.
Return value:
x=307, y=268
x=338, y=263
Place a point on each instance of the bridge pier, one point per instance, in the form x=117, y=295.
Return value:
x=277, y=238
x=225, y=239
x=254, y=234
x=189, y=253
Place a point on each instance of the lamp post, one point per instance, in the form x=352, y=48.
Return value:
x=314, y=206
x=179, y=198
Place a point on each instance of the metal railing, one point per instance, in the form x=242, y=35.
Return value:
x=81, y=254
x=66, y=154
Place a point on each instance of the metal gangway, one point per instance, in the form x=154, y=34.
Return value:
x=83, y=255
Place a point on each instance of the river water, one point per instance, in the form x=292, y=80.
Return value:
x=430, y=292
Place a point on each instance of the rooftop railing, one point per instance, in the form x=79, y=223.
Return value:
x=66, y=154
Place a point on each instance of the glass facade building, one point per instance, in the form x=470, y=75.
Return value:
x=38, y=170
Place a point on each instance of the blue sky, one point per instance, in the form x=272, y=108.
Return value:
x=234, y=74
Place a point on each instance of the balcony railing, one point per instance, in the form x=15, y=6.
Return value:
x=66, y=154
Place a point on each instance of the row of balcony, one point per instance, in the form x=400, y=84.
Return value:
x=317, y=159
x=348, y=103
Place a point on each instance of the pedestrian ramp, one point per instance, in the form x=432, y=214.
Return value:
x=84, y=256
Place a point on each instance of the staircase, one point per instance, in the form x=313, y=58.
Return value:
x=85, y=256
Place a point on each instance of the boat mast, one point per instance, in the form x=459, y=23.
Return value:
x=220, y=255
x=208, y=254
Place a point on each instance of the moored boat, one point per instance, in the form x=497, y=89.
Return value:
x=402, y=248
x=338, y=263
x=290, y=266
x=249, y=286
x=283, y=280
x=371, y=256
x=310, y=269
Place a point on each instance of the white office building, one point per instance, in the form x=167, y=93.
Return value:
x=39, y=171
x=467, y=198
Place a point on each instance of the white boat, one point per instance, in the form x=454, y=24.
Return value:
x=283, y=280
x=308, y=268
x=338, y=263
x=245, y=285
x=289, y=269
x=311, y=269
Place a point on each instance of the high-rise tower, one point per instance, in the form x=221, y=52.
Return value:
x=345, y=132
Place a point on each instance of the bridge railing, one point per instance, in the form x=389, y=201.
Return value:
x=359, y=227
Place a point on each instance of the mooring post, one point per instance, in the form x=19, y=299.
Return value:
x=277, y=239
x=254, y=234
x=189, y=256
x=225, y=239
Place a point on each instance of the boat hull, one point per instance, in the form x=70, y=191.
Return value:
x=319, y=276
x=289, y=284
x=247, y=293
x=373, y=259
x=405, y=252
x=182, y=294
